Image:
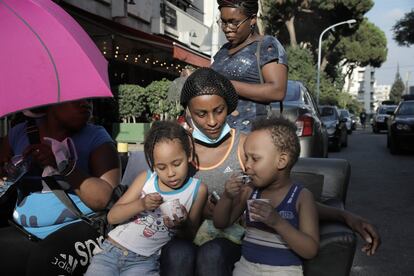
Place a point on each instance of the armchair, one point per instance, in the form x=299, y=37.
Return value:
x=328, y=180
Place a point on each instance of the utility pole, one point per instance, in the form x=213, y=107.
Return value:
x=349, y=22
x=407, y=89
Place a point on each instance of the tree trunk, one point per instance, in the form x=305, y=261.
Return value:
x=290, y=25
x=349, y=75
x=324, y=63
x=260, y=24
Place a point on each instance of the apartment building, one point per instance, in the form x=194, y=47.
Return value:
x=360, y=84
x=381, y=93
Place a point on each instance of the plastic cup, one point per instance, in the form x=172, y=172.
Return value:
x=170, y=208
x=250, y=201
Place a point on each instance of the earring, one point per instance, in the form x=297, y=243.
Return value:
x=252, y=27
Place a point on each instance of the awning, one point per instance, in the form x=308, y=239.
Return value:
x=189, y=56
x=178, y=51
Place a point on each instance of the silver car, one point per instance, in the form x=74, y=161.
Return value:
x=380, y=118
x=299, y=107
x=344, y=114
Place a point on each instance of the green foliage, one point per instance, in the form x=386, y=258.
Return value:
x=404, y=30
x=397, y=89
x=131, y=101
x=367, y=46
x=302, y=67
x=150, y=102
x=158, y=103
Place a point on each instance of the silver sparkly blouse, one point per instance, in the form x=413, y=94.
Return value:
x=242, y=66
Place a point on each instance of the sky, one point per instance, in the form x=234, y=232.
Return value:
x=384, y=15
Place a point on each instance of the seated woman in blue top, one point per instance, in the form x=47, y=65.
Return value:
x=256, y=84
x=39, y=212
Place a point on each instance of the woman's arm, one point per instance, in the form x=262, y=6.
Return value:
x=358, y=224
x=274, y=86
x=95, y=189
x=132, y=203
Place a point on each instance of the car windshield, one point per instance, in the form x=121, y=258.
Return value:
x=385, y=109
x=406, y=108
x=327, y=112
x=345, y=113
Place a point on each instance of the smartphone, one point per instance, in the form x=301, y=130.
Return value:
x=214, y=197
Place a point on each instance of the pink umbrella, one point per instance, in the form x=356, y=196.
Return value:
x=46, y=57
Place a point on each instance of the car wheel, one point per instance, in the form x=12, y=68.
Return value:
x=394, y=149
x=337, y=145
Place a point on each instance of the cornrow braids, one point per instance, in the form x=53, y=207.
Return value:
x=249, y=7
x=206, y=81
x=283, y=133
x=162, y=131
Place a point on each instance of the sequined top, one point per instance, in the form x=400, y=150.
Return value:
x=242, y=66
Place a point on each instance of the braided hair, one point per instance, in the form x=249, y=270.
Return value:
x=164, y=131
x=249, y=7
x=283, y=133
x=206, y=81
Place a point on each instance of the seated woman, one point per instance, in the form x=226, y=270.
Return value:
x=39, y=212
x=208, y=98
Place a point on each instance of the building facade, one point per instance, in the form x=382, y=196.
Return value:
x=381, y=93
x=360, y=84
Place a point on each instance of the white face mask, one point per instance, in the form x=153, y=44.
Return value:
x=200, y=136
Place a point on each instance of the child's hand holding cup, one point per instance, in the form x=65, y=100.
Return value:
x=257, y=208
x=173, y=212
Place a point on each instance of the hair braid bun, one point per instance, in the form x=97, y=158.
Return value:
x=206, y=81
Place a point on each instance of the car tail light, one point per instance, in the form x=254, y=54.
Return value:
x=304, y=126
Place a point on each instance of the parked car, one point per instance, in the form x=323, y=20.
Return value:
x=355, y=121
x=380, y=118
x=401, y=127
x=299, y=107
x=335, y=126
x=344, y=114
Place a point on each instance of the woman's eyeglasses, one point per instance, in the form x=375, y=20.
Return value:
x=232, y=25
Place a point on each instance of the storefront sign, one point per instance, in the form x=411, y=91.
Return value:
x=170, y=16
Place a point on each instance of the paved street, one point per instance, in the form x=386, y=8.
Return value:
x=382, y=189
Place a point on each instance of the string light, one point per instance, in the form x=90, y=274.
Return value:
x=153, y=62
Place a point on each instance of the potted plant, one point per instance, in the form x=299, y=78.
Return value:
x=132, y=105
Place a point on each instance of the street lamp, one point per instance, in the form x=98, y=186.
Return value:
x=350, y=22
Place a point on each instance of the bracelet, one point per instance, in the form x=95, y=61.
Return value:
x=69, y=168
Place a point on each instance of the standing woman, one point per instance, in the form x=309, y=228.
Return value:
x=237, y=60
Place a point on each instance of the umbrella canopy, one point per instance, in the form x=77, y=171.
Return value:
x=46, y=57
